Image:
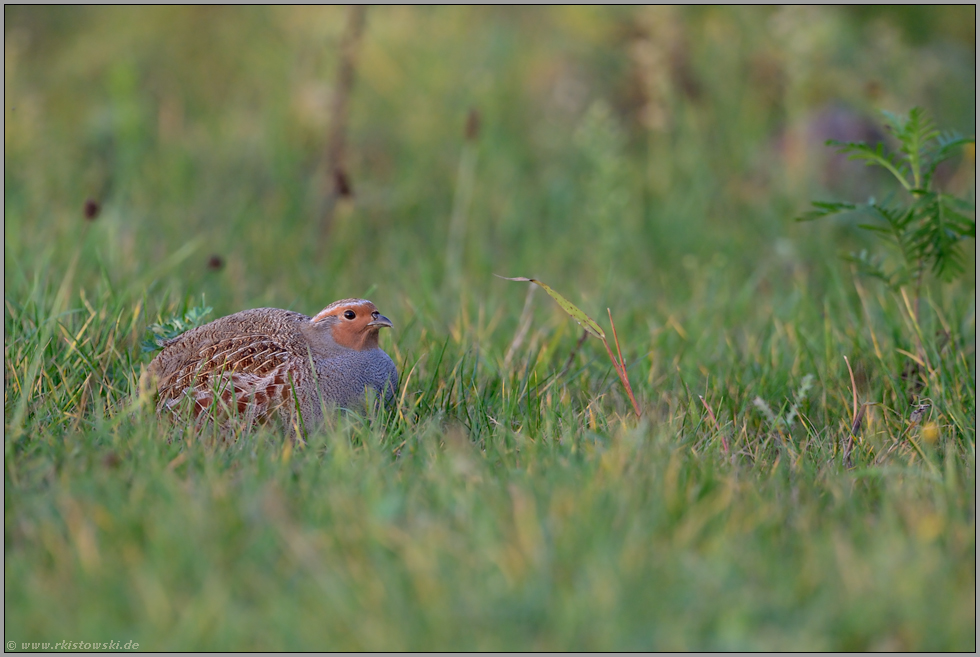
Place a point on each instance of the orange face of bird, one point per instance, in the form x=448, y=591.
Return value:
x=354, y=323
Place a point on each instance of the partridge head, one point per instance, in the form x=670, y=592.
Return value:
x=352, y=323
x=267, y=362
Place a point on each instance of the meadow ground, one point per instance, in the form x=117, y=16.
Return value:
x=645, y=160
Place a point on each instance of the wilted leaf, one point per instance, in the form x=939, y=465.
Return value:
x=574, y=312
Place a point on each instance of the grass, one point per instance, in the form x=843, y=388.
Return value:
x=512, y=501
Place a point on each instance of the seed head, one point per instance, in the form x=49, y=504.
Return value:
x=472, y=131
x=341, y=183
x=91, y=209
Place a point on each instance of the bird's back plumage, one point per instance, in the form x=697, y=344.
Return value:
x=269, y=362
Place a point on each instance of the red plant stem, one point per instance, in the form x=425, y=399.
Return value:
x=854, y=392
x=620, y=365
x=616, y=338
x=711, y=415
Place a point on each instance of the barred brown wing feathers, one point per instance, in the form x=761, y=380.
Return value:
x=247, y=374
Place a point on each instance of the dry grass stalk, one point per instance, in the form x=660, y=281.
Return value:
x=338, y=177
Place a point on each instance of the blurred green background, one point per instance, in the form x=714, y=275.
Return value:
x=618, y=147
x=645, y=159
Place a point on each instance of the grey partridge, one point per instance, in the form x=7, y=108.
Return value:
x=269, y=362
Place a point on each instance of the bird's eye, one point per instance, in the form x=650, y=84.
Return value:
x=349, y=314
x=375, y=314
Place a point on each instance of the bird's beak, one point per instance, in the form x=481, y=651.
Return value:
x=380, y=321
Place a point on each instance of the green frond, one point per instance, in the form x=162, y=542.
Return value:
x=822, y=209
x=871, y=266
x=946, y=146
x=873, y=156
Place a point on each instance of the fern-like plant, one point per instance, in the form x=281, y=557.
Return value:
x=158, y=334
x=926, y=225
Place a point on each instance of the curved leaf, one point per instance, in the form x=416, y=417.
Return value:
x=573, y=311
